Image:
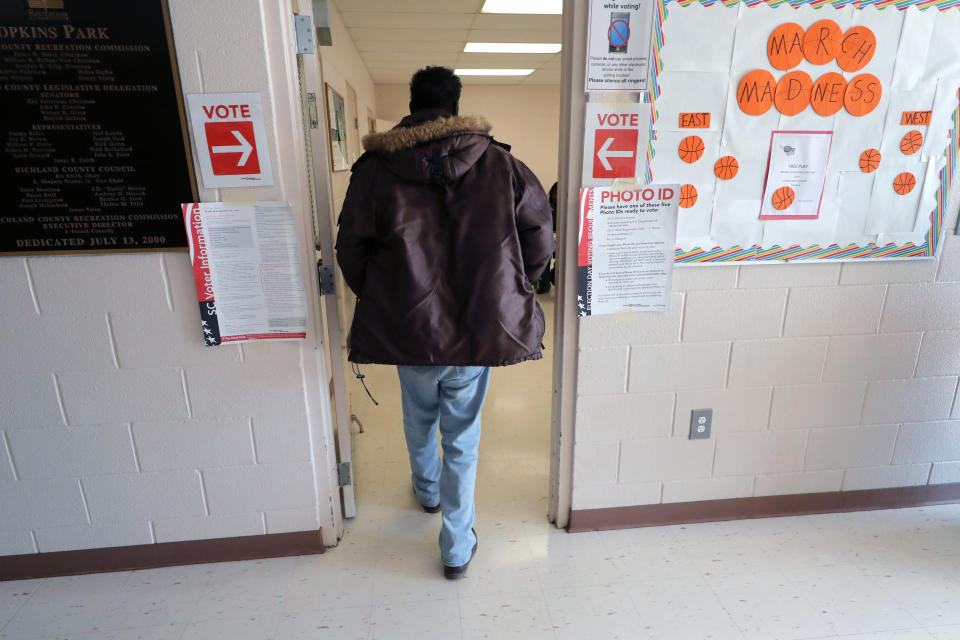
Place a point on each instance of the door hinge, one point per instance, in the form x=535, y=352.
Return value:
x=326, y=278
x=312, y=112
x=343, y=474
x=303, y=28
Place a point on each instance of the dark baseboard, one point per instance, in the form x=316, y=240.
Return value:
x=162, y=554
x=653, y=515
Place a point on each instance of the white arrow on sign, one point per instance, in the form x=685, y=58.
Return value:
x=244, y=148
x=604, y=152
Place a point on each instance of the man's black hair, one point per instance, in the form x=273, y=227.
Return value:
x=434, y=88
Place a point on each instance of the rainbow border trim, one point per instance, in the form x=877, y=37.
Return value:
x=757, y=253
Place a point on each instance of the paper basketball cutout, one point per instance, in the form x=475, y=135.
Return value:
x=856, y=48
x=793, y=93
x=862, y=95
x=869, y=160
x=756, y=91
x=726, y=168
x=904, y=183
x=785, y=46
x=821, y=43
x=827, y=94
x=691, y=148
x=911, y=142
x=688, y=196
x=782, y=198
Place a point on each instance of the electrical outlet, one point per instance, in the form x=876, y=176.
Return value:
x=700, y=422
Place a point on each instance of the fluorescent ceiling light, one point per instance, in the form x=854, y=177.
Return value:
x=511, y=47
x=523, y=6
x=493, y=72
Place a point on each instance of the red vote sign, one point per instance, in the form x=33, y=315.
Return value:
x=615, y=150
x=231, y=140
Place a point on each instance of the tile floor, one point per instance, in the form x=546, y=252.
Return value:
x=891, y=575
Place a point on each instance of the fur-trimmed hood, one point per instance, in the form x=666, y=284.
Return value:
x=431, y=145
x=405, y=137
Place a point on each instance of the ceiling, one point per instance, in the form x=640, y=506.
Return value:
x=397, y=37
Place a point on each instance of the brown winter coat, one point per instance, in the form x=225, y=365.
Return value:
x=442, y=233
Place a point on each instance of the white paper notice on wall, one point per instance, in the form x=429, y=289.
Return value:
x=246, y=267
x=614, y=142
x=230, y=139
x=618, y=45
x=626, y=249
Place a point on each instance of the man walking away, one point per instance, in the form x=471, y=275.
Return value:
x=442, y=234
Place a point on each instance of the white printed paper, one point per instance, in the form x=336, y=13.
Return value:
x=796, y=174
x=626, y=249
x=246, y=261
x=618, y=49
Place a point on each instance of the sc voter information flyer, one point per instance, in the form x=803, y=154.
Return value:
x=626, y=241
x=246, y=264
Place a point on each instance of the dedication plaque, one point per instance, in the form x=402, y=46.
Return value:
x=93, y=148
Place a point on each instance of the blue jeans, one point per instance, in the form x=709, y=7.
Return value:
x=452, y=397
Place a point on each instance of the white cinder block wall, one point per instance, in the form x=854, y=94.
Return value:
x=117, y=426
x=821, y=377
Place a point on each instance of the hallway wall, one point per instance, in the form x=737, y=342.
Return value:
x=524, y=116
x=822, y=378
x=117, y=426
x=341, y=63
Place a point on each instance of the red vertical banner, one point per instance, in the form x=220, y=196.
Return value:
x=585, y=254
x=200, y=261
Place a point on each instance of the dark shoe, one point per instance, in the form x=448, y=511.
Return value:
x=433, y=509
x=455, y=573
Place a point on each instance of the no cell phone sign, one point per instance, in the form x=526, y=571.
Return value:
x=618, y=34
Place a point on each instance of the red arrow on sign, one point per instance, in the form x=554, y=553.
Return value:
x=615, y=151
x=232, y=148
x=243, y=147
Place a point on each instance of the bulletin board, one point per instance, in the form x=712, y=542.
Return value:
x=805, y=131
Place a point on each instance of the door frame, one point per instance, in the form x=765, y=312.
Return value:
x=566, y=322
x=566, y=327
x=337, y=445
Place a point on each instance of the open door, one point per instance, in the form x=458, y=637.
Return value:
x=315, y=105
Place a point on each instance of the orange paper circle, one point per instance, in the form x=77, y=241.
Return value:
x=911, y=142
x=856, y=49
x=782, y=198
x=688, y=196
x=862, y=95
x=827, y=94
x=756, y=91
x=904, y=183
x=793, y=93
x=785, y=46
x=726, y=168
x=691, y=148
x=869, y=160
x=821, y=42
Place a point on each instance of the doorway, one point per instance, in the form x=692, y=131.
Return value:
x=371, y=61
